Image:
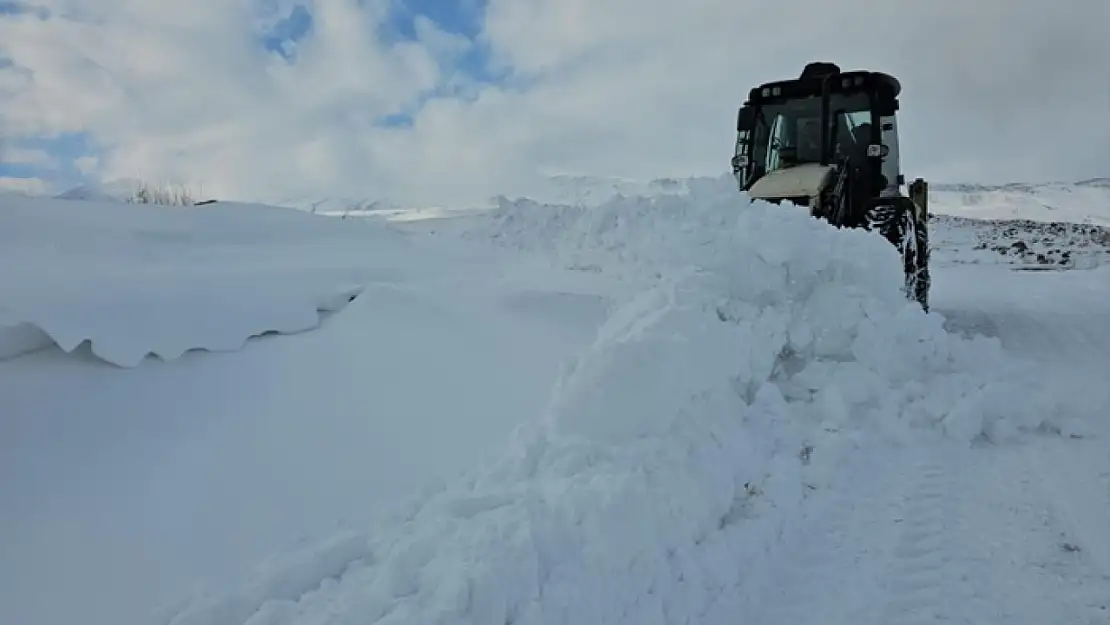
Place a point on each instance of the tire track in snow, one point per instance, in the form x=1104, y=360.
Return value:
x=1072, y=482
x=922, y=567
x=1048, y=583
x=1075, y=477
x=982, y=544
x=827, y=566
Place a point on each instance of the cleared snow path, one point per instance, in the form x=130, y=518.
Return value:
x=942, y=534
x=1060, y=321
x=1062, y=317
x=994, y=534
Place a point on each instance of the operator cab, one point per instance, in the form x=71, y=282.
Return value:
x=806, y=129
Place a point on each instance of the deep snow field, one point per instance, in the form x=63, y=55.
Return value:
x=683, y=408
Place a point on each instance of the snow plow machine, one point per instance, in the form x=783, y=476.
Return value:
x=829, y=140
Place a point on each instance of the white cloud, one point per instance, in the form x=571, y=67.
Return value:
x=86, y=164
x=637, y=88
x=24, y=186
x=13, y=155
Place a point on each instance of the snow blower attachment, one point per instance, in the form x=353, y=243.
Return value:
x=829, y=140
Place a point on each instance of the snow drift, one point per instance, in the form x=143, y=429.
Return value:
x=755, y=348
x=133, y=280
x=144, y=481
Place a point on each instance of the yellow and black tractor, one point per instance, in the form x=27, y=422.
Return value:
x=828, y=140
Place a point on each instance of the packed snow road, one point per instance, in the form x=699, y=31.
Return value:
x=667, y=411
x=946, y=534
x=1058, y=318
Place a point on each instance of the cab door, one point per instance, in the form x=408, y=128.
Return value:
x=741, y=158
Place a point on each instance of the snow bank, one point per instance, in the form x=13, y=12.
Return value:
x=135, y=280
x=760, y=350
x=833, y=297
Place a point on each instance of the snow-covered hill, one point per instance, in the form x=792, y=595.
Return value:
x=1084, y=202
x=113, y=191
x=670, y=409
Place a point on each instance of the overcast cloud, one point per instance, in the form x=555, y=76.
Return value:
x=454, y=101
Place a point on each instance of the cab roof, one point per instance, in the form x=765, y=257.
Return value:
x=812, y=80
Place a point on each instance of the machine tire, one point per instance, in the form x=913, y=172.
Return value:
x=905, y=226
x=915, y=258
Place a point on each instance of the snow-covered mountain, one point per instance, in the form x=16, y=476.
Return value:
x=113, y=191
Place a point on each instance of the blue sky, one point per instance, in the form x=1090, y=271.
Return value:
x=291, y=25
x=19, y=7
x=457, y=17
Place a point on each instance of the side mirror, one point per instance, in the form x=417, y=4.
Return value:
x=745, y=119
x=739, y=163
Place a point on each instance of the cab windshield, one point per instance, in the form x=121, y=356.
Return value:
x=788, y=134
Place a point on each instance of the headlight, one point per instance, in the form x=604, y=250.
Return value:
x=875, y=149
